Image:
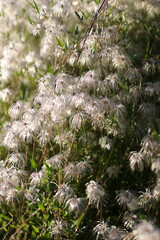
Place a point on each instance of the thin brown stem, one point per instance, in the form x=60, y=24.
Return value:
x=23, y=224
x=88, y=30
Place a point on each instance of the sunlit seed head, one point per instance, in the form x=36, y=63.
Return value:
x=95, y=193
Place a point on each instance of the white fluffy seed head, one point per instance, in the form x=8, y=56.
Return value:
x=16, y=110
x=6, y=95
x=63, y=193
x=101, y=230
x=136, y=160
x=17, y=160
x=127, y=199
x=36, y=178
x=146, y=230
x=95, y=193
x=76, y=205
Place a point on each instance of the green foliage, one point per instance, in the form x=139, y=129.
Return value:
x=79, y=110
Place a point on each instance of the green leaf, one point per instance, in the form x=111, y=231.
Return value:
x=10, y=214
x=33, y=163
x=80, y=18
x=40, y=205
x=86, y=17
x=48, y=168
x=36, y=7
x=109, y=11
x=18, y=188
x=155, y=134
x=46, y=216
x=79, y=220
x=142, y=216
x=76, y=30
x=30, y=20
x=31, y=4
x=4, y=226
x=35, y=229
x=123, y=86
x=5, y=217
x=60, y=43
x=13, y=226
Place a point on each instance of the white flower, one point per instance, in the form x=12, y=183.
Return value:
x=86, y=58
x=149, y=145
x=32, y=194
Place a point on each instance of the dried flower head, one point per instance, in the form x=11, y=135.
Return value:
x=32, y=194
x=145, y=198
x=156, y=191
x=113, y=82
x=56, y=161
x=76, y=205
x=17, y=160
x=146, y=230
x=95, y=193
x=83, y=167
x=127, y=199
x=113, y=171
x=130, y=220
x=16, y=110
x=101, y=230
x=149, y=145
x=14, y=196
x=89, y=79
x=114, y=233
x=105, y=143
x=57, y=227
x=155, y=166
x=6, y=95
x=136, y=160
x=78, y=119
x=36, y=178
x=148, y=109
x=110, y=35
x=70, y=171
x=63, y=193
